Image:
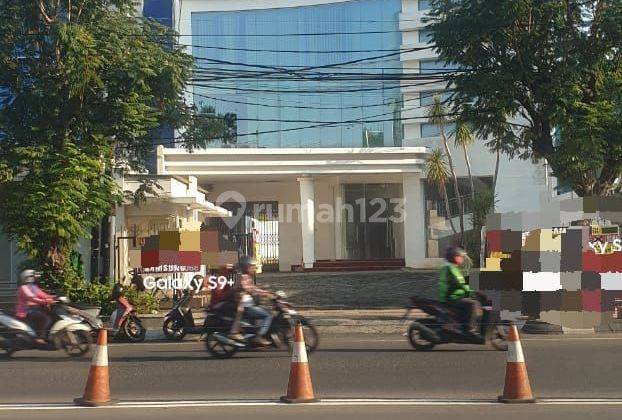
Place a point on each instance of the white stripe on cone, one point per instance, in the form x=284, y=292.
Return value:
x=515, y=352
x=299, y=353
x=100, y=358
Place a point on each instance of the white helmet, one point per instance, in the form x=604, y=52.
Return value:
x=28, y=276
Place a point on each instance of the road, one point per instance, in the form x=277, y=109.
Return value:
x=346, y=366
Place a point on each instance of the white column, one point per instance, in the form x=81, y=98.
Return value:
x=307, y=220
x=112, y=247
x=338, y=221
x=414, y=220
x=160, y=166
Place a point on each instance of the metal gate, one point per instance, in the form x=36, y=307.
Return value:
x=257, y=232
x=265, y=233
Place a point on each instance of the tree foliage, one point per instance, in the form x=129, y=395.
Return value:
x=84, y=86
x=540, y=79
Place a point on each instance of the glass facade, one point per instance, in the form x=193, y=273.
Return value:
x=436, y=66
x=424, y=5
x=431, y=130
x=425, y=36
x=293, y=75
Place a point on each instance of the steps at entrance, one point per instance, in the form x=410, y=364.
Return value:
x=7, y=299
x=354, y=265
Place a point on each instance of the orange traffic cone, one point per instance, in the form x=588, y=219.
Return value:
x=97, y=390
x=517, y=388
x=299, y=387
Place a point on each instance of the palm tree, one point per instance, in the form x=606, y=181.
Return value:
x=496, y=146
x=463, y=137
x=438, y=174
x=437, y=115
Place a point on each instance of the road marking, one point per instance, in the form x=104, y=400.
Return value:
x=323, y=402
x=405, y=340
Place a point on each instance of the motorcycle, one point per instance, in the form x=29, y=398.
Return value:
x=124, y=321
x=218, y=324
x=180, y=320
x=89, y=315
x=68, y=331
x=443, y=326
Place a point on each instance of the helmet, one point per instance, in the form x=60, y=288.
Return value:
x=117, y=290
x=246, y=262
x=453, y=251
x=28, y=276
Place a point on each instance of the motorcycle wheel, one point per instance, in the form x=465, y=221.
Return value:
x=310, y=334
x=133, y=330
x=75, y=343
x=217, y=349
x=419, y=338
x=173, y=329
x=498, y=337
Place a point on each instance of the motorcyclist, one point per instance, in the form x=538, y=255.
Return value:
x=456, y=292
x=30, y=303
x=243, y=293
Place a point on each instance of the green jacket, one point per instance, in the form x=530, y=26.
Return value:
x=452, y=285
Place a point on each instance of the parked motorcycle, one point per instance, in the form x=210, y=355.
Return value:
x=124, y=321
x=218, y=324
x=180, y=319
x=68, y=331
x=443, y=326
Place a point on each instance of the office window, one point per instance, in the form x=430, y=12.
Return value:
x=430, y=66
x=425, y=36
x=424, y=4
x=431, y=130
x=427, y=97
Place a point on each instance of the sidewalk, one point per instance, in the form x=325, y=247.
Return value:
x=352, y=290
x=369, y=321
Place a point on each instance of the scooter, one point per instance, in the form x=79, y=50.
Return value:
x=124, y=322
x=443, y=326
x=88, y=314
x=68, y=332
x=218, y=324
x=180, y=319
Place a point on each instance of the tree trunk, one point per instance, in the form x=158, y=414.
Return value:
x=468, y=165
x=447, y=210
x=53, y=259
x=455, y=179
x=494, y=179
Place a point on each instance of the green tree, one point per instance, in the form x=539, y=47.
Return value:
x=437, y=174
x=437, y=115
x=483, y=204
x=531, y=67
x=85, y=84
x=463, y=137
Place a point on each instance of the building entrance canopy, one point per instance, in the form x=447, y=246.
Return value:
x=210, y=165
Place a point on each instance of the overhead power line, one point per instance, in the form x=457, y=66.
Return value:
x=308, y=106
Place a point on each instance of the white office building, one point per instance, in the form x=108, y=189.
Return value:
x=290, y=68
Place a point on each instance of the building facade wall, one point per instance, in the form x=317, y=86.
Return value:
x=522, y=185
x=223, y=32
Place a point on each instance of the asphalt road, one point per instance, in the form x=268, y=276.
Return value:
x=514, y=412
x=345, y=366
